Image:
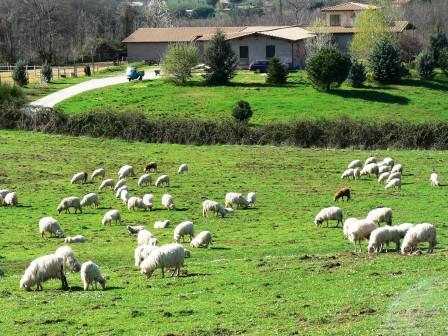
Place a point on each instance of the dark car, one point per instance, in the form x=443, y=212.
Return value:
x=261, y=66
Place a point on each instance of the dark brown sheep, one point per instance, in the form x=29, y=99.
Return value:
x=341, y=193
x=152, y=166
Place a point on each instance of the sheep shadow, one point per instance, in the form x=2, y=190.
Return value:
x=190, y=275
x=220, y=248
x=373, y=96
x=23, y=206
x=81, y=289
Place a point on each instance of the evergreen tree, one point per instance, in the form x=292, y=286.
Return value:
x=425, y=65
x=437, y=43
x=277, y=73
x=385, y=62
x=46, y=72
x=221, y=61
x=357, y=75
x=19, y=74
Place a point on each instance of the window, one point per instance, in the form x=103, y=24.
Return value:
x=335, y=20
x=244, y=52
x=270, y=51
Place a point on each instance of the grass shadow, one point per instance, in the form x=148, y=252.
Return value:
x=432, y=85
x=373, y=96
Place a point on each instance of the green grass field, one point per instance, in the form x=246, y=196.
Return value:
x=270, y=271
x=413, y=100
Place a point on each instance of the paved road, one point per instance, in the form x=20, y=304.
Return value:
x=56, y=97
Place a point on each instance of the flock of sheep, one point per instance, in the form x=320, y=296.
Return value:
x=356, y=230
x=148, y=255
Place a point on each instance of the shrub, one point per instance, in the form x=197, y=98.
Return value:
x=277, y=73
x=437, y=43
x=11, y=94
x=385, y=62
x=46, y=72
x=221, y=61
x=242, y=111
x=357, y=75
x=410, y=47
x=87, y=71
x=425, y=65
x=179, y=62
x=328, y=68
x=443, y=60
x=19, y=74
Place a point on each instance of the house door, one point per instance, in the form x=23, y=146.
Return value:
x=244, y=56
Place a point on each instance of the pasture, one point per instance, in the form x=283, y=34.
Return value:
x=270, y=270
x=413, y=100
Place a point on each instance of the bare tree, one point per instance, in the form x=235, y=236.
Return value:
x=158, y=14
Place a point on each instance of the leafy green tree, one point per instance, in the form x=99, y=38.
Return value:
x=357, y=75
x=437, y=43
x=443, y=60
x=19, y=74
x=385, y=62
x=47, y=72
x=203, y=12
x=425, y=65
x=277, y=72
x=221, y=61
x=179, y=61
x=328, y=68
x=242, y=111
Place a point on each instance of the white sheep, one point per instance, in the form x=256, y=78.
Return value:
x=106, y=183
x=75, y=239
x=148, y=200
x=167, y=256
x=251, y=198
x=418, y=234
x=144, y=237
x=233, y=198
x=168, y=202
x=71, y=263
x=381, y=236
x=79, y=178
x=125, y=172
x=380, y=215
x=119, y=184
x=403, y=228
x=141, y=252
x=397, y=168
x=100, y=172
x=383, y=169
x=90, y=199
x=434, y=180
x=70, y=202
x=354, y=164
x=50, y=225
x=4, y=192
x=388, y=161
x=124, y=195
x=395, y=183
x=122, y=169
x=383, y=177
x=369, y=160
x=209, y=205
x=119, y=190
x=162, y=224
x=11, y=199
x=183, y=168
x=163, y=179
x=111, y=215
x=91, y=274
x=136, y=203
x=346, y=225
x=360, y=230
x=203, y=239
x=144, y=180
x=356, y=173
x=348, y=173
x=185, y=228
x=42, y=269
x=394, y=176
x=370, y=169
x=135, y=229
x=326, y=214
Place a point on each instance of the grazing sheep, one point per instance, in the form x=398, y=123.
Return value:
x=4, y=192
x=343, y=192
x=370, y=169
x=183, y=229
x=357, y=173
x=91, y=274
x=403, y=229
x=203, y=239
x=346, y=225
x=394, y=176
x=388, y=162
x=111, y=215
x=162, y=224
x=148, y=200
x=70, y=202
x=397, y=168
x=79, y=178
x=11, y=199
x=384, y=169
x=119, y=190
x=106, y=183
x=370, y=160
x=42, y=269
x=167, y=256
x=141, y=252
x=383, y=177
x=418, y=234
x=144, y=180
x=434, y=180
x=152, y=166
x=90, y=199
x=381, y=236
x=380, y=215
x=119, y=184
x=50, y=225
x=75, y=239
x=136, y=203
x=124, y=195
x=251, y=198
x=354, y=164
x=168, y=202
x=135, y=229
x=71, y=263
x=100, y=172
x=209, y=205
x=395, y=183
x=183, y=168
x=144, y=237
x=347, y=173
x=126, y=171
x=326, y=214
x=233, y=198
x=360, y=230
x=163, y=180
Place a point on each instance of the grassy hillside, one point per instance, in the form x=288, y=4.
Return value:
x=270, y=271
x=414, y=100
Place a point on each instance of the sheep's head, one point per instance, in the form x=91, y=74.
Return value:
x=147, y=273
x=371, y=248
x=318, y=221
x=172, y=206
x=25, y=283
x=59, y=233
x=103, y=281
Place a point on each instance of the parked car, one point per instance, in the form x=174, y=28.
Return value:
x=259, y=65
x=132, y=73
